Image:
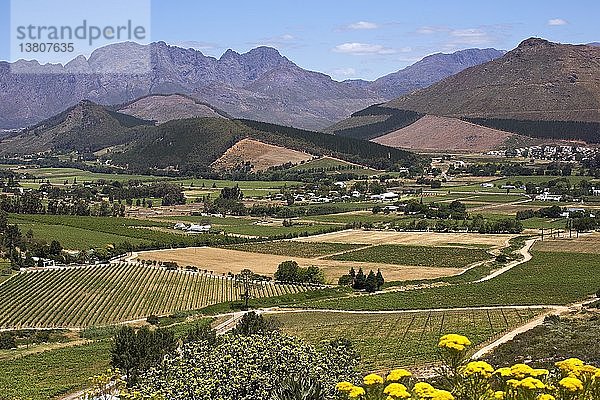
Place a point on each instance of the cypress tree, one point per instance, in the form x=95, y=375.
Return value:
x=380, y=280
x=371, y=282
x=360, y=280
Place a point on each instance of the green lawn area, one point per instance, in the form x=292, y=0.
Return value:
x=386, y=341
x=549, y=278
x=427, y=256
x=294, y=249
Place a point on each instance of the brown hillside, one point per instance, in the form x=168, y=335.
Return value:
x=260, y=155
x=163, y=108
x=441, y=133
x=538, y=80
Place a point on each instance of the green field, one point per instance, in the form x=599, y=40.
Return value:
x=45, y=371
x=52, y=373
x=59, y=175
x=103, y=295
x=334, y=166
x=385, y=341
x=548, y=279
x=251, y=226
x=294, y=249
x=426, y=256
x=80, y=233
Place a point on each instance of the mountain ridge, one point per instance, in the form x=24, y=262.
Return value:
x=260, y=84
x=540, y=89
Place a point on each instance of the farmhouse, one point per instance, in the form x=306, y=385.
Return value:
x=548, y=197
x=389, y=196
x=196, y=228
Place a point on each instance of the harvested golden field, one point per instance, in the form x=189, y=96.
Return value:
x=261, y=155
x=409, y=238
x=222, y=261
x=586, y=243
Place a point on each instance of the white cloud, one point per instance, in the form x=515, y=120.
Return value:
x=193, y=44
x=471, y=37
x=361, y=49
x=557, y=22
x=363, y=25
x=430, y=30
x=344, y=73
x=280, y=42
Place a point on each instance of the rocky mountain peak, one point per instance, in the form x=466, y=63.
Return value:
x=534, y=42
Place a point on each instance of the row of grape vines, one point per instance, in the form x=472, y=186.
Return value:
x=102, y=295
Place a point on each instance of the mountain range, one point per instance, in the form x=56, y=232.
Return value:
x=260, y=84
x=540, y=89
x=201, y=144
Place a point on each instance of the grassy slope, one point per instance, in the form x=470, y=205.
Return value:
x=385, y=341
x=52, y=373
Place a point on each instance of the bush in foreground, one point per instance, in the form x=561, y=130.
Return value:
x=255, y=367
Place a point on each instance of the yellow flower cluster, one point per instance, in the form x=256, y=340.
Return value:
x=397, y=391
x=353, y=392
x=454, y=342
x=393, y=390
x=397, y=374
x=545, y=396
x=528, y=383
x=571, y=384
x=425, y=391
x=574, y=367
x=521, y=371
x=478, y=368
x=479, y=380
x=372, y=379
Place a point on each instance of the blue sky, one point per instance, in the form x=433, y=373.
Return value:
x=359, y=39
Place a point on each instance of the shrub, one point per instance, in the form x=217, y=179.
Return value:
x=153, y=320
x=7, y=341
x=249, y=368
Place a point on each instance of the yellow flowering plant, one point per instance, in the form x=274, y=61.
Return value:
x=460, y=378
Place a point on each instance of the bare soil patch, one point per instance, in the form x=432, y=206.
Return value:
x=261, y=155
x=222, y=261
x=442, y=133
x=409, y=238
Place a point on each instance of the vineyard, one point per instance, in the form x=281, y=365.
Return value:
x=549, y=278
x=391, y=340
x=102, y=295
x=454, y=257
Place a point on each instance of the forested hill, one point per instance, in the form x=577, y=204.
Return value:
x=192, y=145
